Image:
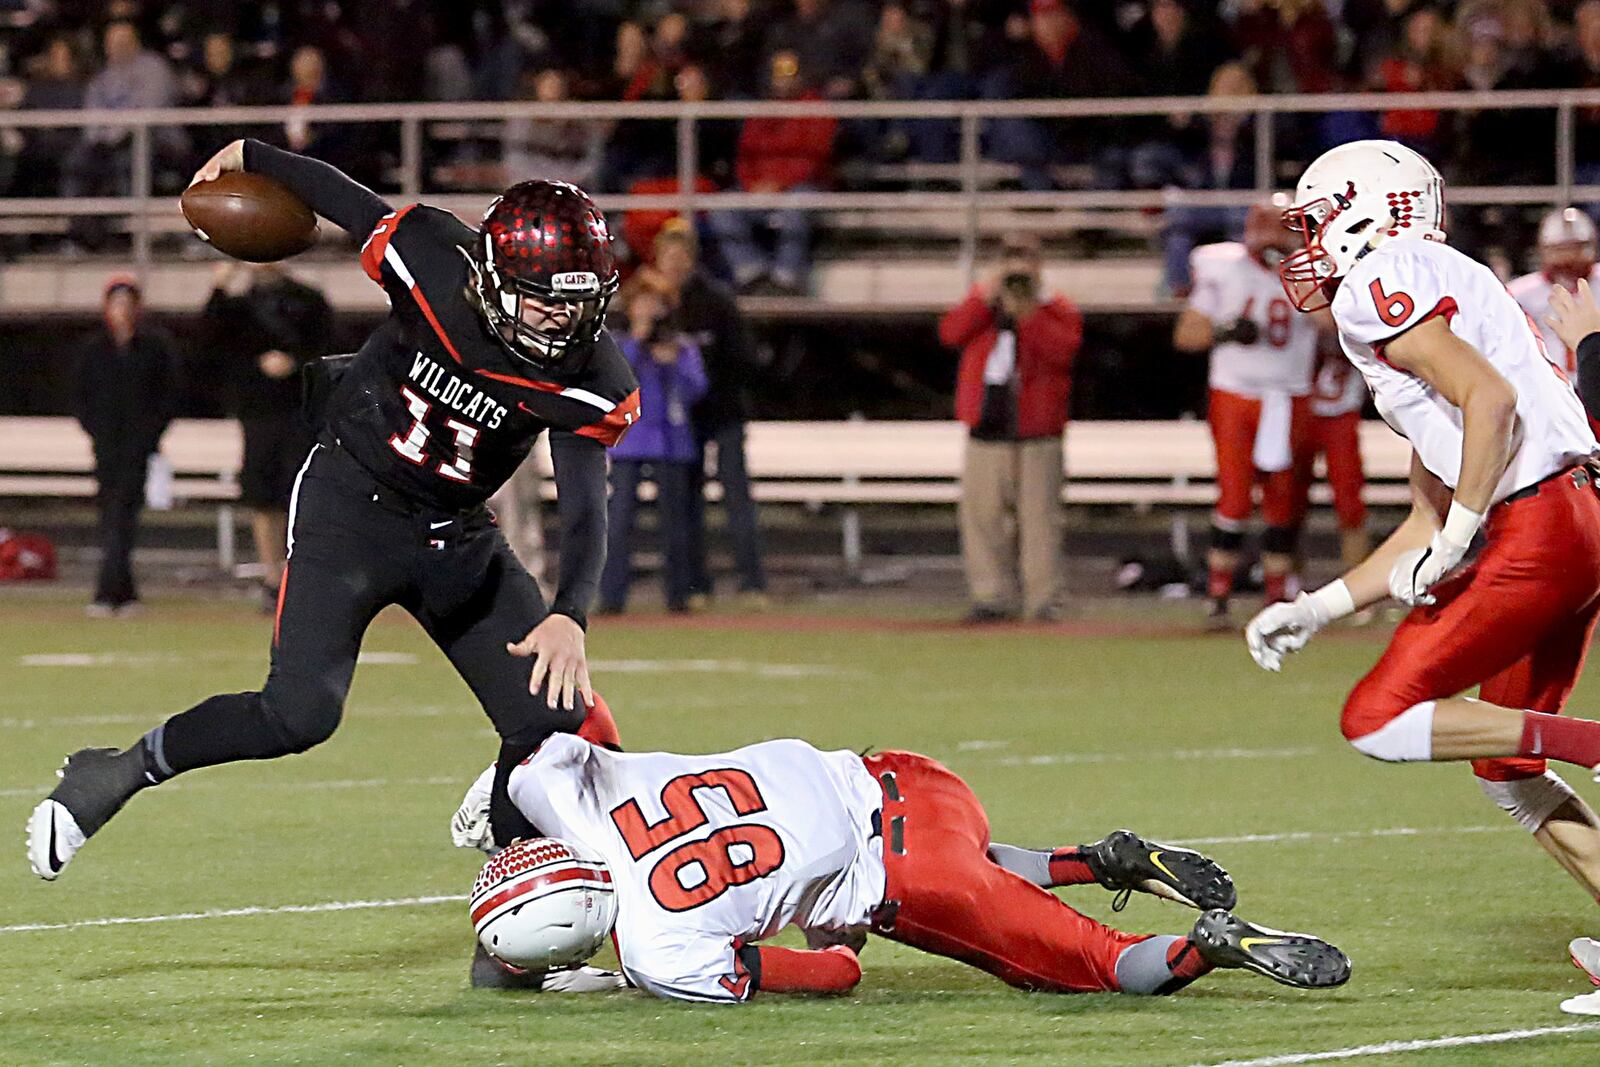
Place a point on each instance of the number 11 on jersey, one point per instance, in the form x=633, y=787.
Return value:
x=412, y=446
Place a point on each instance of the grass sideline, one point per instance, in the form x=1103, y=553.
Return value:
x=1456, y=922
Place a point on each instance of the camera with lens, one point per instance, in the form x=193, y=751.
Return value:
x=1020, y=285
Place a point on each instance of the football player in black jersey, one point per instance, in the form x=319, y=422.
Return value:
x=494, y=336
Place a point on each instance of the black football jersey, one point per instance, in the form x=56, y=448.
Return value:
x=434, y=405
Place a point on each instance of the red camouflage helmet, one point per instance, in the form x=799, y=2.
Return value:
x=544, y=269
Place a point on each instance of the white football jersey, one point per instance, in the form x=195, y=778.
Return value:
x=1230, y=284
x=1338, y=389
x=708, y=853
x=1533, y=293
x=1406, y=281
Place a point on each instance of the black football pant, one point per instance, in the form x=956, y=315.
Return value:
x=355, y=548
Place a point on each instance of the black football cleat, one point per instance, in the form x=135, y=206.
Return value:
x=1298, y=960
x=1123, y=862
x=95, y=783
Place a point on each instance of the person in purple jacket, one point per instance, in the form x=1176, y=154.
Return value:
x=660, y=444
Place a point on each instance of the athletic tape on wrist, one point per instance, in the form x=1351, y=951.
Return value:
x=1333, y=601
x=1461, y=524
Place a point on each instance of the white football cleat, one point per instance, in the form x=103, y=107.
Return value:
x=1585, y=953
x=1588, y=1004
x=53, y=839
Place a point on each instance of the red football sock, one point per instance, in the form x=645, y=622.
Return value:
x=1276, y=586
x=1219, y=585
x=1069, y=867
x=1185, y=962
x=796, y=970
x=1559, y=738
x=598, y=727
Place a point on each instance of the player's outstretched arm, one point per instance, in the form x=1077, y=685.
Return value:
x=327, y=190
x=557, y=643
x=1286, y=627
x=1576, y=320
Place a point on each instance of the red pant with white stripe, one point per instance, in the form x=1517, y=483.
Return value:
x=1338, y=439
x=1516, y=623
x=953, y=901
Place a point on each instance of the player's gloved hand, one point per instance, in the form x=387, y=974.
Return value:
x=1240, y=331
x=1419, y=569
x=469, y=826
x=1285, y=627
x=583, y=980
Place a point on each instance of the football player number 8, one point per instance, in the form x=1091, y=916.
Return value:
x=1393, y=308
x=699, y=872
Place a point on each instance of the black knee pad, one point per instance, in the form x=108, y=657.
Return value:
x=1226, y=540
x=306, y=721
x=1280, y=539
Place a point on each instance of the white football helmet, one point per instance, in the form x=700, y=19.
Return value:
x=1350, y=200
x=542, y=904
x=1567, y=246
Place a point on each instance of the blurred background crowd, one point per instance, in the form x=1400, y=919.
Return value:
x=127, y=53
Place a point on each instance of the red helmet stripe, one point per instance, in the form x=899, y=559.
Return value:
x=523, y=887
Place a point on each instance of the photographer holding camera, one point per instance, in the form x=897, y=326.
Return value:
x=661, y=445
x=1017, y=348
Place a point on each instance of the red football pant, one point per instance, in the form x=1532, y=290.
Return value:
x=1234, y=419
x=953, y=901
x=1338, y=438
x=1516, y=623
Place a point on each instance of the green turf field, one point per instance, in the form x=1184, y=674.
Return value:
x=1456, y=922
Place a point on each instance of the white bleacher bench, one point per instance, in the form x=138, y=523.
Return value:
x=845, y=464
x=52, y=457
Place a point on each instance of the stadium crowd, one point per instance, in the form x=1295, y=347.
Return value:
x=63, y=54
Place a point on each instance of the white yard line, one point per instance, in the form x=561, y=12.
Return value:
x=407, y=659
x=231, y=913
x=1390, y=1048
x=1347, y=835
x=1055, y=759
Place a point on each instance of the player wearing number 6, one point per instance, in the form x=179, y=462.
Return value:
x=1501, y=454
x=699, y=859
x=495, y=336
x=1259, y=404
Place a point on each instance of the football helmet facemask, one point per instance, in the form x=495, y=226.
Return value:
x=1350, y=200
x=543, y=271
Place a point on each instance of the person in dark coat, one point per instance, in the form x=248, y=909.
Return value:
x=708, y=315
x=127, y=393
x=265, y=334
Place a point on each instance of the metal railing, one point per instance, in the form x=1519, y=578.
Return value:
x=970, y=200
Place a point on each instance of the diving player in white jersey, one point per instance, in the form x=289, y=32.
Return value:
x=698, y=859
x=1501, y=449
x=1566, y=254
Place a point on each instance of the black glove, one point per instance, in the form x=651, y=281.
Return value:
x=1240, y=331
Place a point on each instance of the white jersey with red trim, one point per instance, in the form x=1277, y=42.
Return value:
x=1533, y=291
x=708, y=853
x=1406, y=281
x=1338, y=388
x=1230, y=284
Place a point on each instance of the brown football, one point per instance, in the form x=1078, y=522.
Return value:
x=249, y=217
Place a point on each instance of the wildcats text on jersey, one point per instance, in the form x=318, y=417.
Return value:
x=454, y=393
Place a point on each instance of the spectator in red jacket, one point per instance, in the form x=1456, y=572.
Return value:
x=777, y=155
x=1012, y=388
